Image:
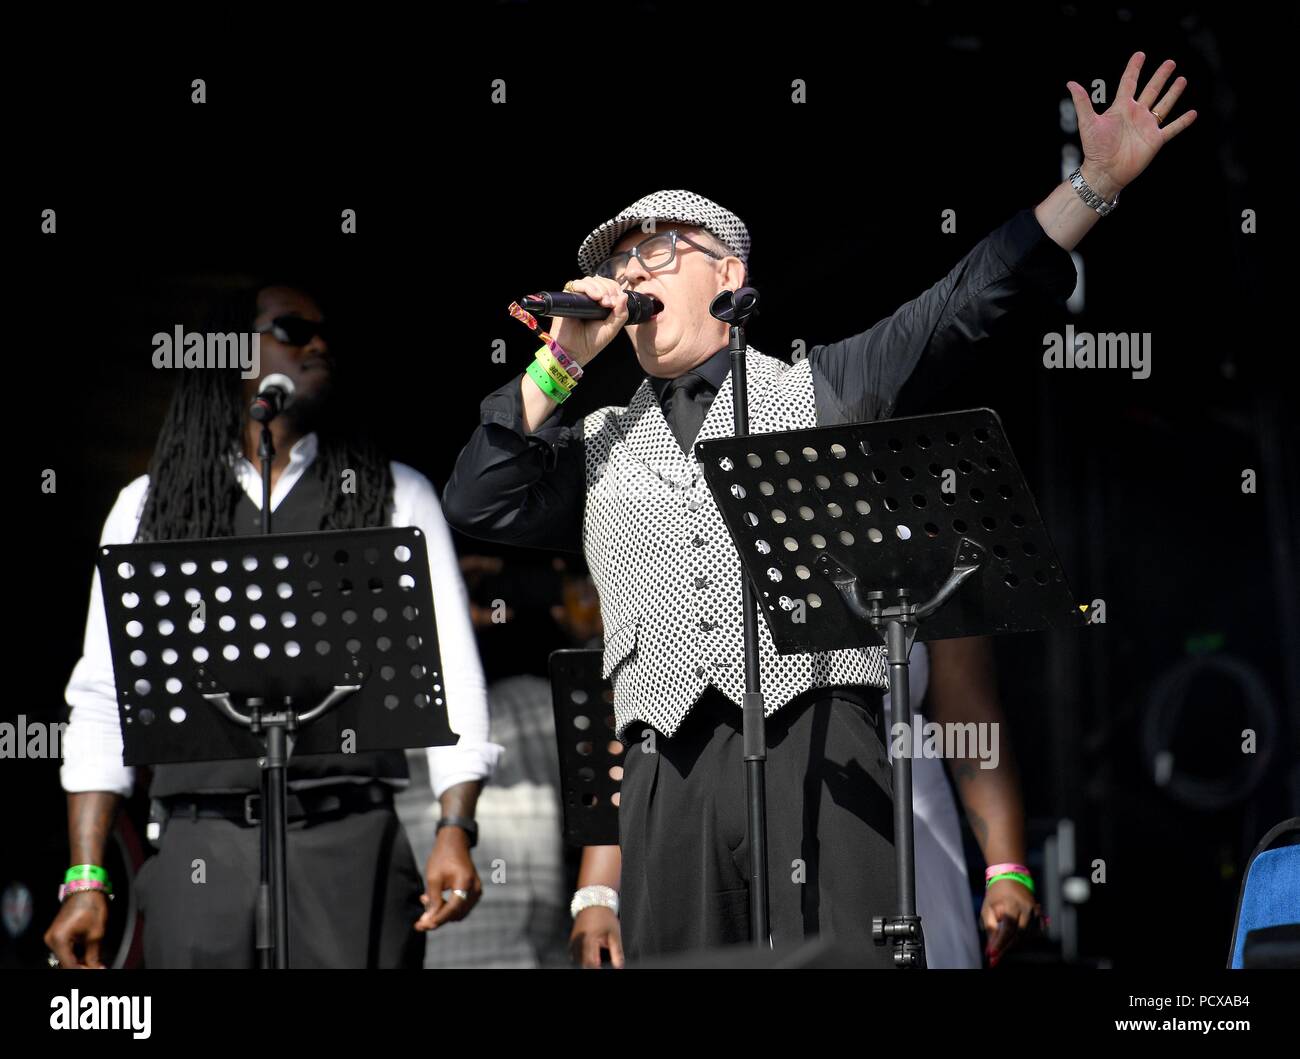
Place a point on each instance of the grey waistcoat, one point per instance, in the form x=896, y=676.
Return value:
x=665, y=566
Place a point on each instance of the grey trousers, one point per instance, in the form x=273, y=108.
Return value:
x=354, y=894
x=682, y=828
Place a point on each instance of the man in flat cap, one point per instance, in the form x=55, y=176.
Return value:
x=623, y=486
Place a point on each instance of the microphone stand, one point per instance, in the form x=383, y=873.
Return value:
x=735, y=308
x=272, y=931
x=266, y=455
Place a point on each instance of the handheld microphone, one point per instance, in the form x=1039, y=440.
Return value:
x=640, y=307
x=273, y=396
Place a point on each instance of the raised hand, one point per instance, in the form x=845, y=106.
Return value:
x=1120, y=143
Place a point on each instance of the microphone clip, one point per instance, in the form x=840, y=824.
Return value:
x=734, y=307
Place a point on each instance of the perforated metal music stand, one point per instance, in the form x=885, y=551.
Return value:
x=840, y=529
x=591, y=757
x=259, y=647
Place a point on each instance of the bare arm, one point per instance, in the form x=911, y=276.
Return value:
x=582, y=339
x=963, y=688
x=538, y=408
x=601, y=866
x=450, y=866
x=90, y=821
x=1064, y=216
x=597, y=928
x=461, y=800
x=83, y=916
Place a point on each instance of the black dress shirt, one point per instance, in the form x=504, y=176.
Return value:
x=685, y=400
x=527, y=489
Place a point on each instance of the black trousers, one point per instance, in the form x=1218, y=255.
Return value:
x=354, y=894
x=682, y=824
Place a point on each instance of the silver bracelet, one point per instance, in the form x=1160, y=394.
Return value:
x=594, y=897
x=1090, y=197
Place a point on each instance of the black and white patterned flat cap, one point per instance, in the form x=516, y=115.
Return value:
x=685, y=207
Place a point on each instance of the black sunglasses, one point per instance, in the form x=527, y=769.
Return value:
x=295, y=331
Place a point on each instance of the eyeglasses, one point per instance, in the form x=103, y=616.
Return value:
x=296, y=331
x=659, y=251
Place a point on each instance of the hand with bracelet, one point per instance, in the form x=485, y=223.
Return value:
x=583, y=339
x=1117, y=144
x=594, y=909
x=1120, y=143
x=75, y=935
x=580, y=340
x=82, y=918
x=1010, y=905
x=452, y=883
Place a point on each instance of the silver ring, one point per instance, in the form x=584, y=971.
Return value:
x=462, y=894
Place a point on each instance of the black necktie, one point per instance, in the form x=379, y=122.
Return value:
x=686, y=408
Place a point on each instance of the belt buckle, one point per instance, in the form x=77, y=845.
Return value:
x=248, y=809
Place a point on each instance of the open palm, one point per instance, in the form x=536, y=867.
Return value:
x=1122, y=141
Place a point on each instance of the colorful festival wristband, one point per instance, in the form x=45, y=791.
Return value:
x=544, y=382
x=564, y=357
x=522, y=315
x=998, y=869
x=558, y=375
x=1019, y=877
x=85, y=884
x=86, y=871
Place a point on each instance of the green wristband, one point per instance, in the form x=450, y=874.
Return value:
x=80, y=872
x=545, y=383
x=1019, y=877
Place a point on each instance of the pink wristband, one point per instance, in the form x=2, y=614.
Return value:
x=562, y=355
x=77, y=885
x=999, y=869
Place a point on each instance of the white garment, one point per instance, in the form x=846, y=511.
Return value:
x=943, y=898
x=92, y=758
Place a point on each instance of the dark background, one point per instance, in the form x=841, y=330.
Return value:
x=464, y=206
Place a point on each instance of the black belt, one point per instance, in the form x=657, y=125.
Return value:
x=312, y=803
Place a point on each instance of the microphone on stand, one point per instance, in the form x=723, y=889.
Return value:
x=273, y=397
x=640, y=307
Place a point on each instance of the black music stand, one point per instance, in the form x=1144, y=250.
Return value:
x=261, y=647
x=589, y=752
x=875, y=534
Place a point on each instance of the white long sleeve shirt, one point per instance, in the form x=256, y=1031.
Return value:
x=92, y=758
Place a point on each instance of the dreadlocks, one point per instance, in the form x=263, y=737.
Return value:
x=193, y=491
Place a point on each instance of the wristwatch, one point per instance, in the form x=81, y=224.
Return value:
x=1090, y=197
x=464, y=823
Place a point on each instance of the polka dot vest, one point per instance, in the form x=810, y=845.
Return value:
x=665, y=566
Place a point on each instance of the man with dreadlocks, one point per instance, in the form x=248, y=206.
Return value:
x=355, y=891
